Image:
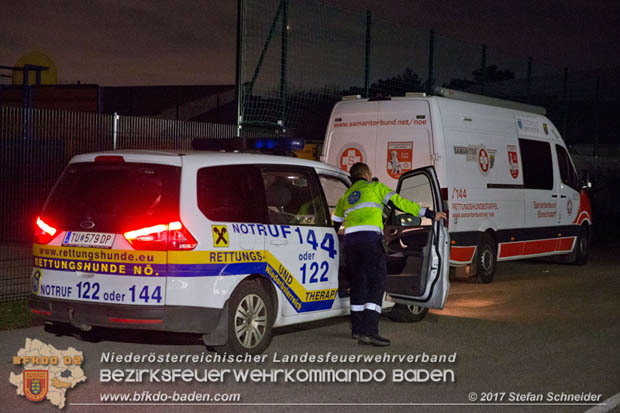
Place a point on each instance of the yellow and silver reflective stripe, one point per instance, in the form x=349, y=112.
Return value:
x=337, y=218
x=363, y=205
x=389, y=196
x=372, y=306
x=359, y=228
x=355, y=307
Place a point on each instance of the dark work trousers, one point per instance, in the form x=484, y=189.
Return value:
x=366, y=264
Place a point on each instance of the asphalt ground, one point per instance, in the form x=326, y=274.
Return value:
x=539, y=328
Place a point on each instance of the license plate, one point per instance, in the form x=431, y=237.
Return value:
x=88, y=239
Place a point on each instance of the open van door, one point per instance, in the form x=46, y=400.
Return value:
x=418, y=249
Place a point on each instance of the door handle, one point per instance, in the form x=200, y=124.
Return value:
x=554, y=196
x=562, y=196
x=279, y=242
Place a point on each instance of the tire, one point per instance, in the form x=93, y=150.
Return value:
x=402, y=313
x=486, y=259
x=250, y=319
x=582, y=249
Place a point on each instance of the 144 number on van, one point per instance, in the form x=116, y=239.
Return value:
x=327, y=244
x=459, y=193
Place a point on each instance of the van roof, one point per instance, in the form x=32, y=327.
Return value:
x=445, y=93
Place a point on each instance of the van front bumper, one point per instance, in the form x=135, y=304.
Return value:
x=182, y=319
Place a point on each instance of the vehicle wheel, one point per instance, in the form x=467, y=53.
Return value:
x=582, y=249
x=250, y=318
x=486, y=259
x=402, y=313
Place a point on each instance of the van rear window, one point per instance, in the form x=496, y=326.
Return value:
x=115, y=197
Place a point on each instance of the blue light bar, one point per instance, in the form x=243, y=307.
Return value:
x=248, y=144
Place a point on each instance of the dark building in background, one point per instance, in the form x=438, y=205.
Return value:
x=215, y=103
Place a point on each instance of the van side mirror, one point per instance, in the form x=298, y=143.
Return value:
x=584, y=179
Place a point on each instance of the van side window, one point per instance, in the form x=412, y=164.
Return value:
x=232, y=193
x=333, y=188
x=537, y=165
x=293, y=197
x=567, y=171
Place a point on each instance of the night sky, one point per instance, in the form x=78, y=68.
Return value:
x=133, y=42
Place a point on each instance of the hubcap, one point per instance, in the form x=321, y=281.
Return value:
x=487, y=260
x=250, y=321
x=415, y=309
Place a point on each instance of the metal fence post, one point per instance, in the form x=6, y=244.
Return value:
x=597, y=126
x=283, y=63
x=565, y=101
x=367, y=64
x=115, y=130
x=239, y=63
x=483, y=68
x=431, y=54
x=529, y=78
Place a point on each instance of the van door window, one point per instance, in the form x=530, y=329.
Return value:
x=567, y=171
x=334, y=189
x=537, y=166
x=293, y=197
x=232, y=193
x=419, y=189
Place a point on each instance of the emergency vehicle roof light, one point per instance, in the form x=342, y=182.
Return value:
x=241, y=144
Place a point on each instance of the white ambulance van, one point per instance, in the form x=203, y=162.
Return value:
x=511, y=188
x=227, y=245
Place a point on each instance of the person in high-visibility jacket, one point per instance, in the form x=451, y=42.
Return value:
x=361, y=211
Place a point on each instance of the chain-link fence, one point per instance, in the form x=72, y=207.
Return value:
x=35, y=146
x=297, y=58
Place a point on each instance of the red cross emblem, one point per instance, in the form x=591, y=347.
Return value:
x=483, y=160
x=349, y=157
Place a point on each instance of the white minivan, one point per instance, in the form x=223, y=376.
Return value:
x=227, y=245
x=505, y=173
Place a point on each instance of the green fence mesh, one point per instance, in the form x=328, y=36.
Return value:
x=297, y=58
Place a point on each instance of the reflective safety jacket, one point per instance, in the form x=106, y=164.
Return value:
x=361, y=207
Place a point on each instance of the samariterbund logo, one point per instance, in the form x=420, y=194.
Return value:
x=48, y=373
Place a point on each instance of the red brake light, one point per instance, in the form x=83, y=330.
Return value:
x=43, y=232
x=173, y=236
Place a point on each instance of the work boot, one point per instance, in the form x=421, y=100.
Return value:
x=375, y=340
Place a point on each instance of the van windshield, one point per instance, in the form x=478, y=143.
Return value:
x=114, y=197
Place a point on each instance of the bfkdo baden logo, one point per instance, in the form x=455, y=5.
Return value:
x=47, y=372
x=35, y=384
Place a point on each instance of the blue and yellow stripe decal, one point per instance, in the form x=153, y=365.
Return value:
x=223, y=263
x=184, y=264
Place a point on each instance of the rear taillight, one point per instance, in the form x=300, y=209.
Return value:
x=444, y=204
x=43, y=232
x=173, y=236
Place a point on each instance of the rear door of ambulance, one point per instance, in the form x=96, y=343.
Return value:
x=403, y=139
x=351, y=134
x=102, y=236
x=418, y=250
